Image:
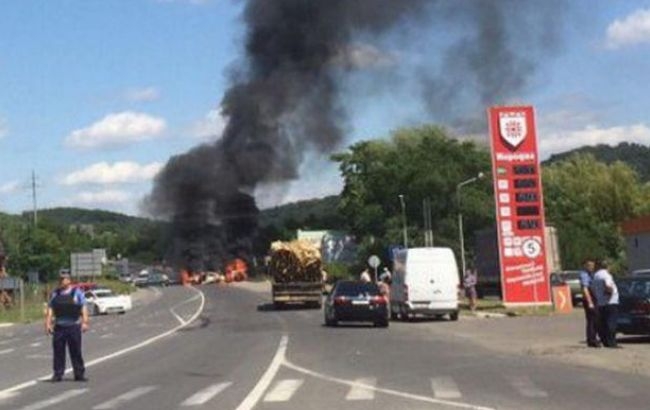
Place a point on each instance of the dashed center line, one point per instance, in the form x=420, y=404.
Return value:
x=55, y=400
x=128, y=396
x=206, y=394
x=283, y=390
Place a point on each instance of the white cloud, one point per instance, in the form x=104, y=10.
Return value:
x=9, y=187
x=119, y=172
x=591, y=135
x=211, y=127
x=4, y=128
x=117, y=129
x=631, y=30
x=107, y=197
x=363, y=55
x=142, y=94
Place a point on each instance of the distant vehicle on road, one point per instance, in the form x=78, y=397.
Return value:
x=102, y=301
x=425, y=281
x=634, y=308
x=356, y=301
x=157, y=279
x=126, y=278
x=142, y=278
x=296, y=268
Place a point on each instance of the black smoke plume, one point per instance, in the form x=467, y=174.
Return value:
x=284, y=99
x=282, y=103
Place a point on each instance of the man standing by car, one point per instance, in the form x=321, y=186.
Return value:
x=604, y=290
x=67, y=307
x=588, y=303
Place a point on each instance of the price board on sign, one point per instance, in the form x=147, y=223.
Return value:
x=519, y=206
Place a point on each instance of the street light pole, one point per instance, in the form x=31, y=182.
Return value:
x=460, y=220
x=404, y=232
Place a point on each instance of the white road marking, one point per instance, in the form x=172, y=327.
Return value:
x=362, y=393
x=37, y=344
x=283, y=390
x=107, y=335
x=445, y=388
x=126, y=397
x=6, y=351
x=7, y=396
x=254, y=396
x=7, y=341
x=396, y=393
x=526, y=387
x=205, y=395
x=55, y=400
x=119, y=353
x=180, y=319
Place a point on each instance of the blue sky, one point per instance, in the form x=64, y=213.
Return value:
x=97, y=95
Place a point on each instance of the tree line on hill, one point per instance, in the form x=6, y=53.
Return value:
x=588, y=193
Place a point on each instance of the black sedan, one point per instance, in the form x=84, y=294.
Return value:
x=634, y=308
x=354, y=301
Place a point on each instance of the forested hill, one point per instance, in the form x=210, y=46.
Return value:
x=320, y=213
x=636, y=156
x=74, y=216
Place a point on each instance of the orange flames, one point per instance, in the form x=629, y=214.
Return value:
x=236, y=270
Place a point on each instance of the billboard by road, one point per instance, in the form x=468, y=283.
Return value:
x=519, y=206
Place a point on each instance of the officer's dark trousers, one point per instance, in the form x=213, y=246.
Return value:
x=608, y=316
x=67, y=336
x=591, y=326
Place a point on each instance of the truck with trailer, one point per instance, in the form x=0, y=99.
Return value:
x=487, y=263
x=296, y=271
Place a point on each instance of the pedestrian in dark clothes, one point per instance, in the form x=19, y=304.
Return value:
x=588, y=303
x=66, y=318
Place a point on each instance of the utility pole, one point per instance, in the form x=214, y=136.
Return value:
x=34, y=198
x=404, y=229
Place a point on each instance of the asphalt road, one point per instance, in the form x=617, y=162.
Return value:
x=239, y=355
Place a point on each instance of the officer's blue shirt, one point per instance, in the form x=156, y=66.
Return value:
x=585, y=279
x=79, y=299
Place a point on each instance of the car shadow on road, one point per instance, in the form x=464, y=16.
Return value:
x=270, y=307
x=350, y=325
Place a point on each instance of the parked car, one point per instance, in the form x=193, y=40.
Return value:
x=102, y=301
x=571, y=278
x=641, y=272
x=634, y=308
x=425, y=281
x=356, y=301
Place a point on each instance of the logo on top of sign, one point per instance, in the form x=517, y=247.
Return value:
x=513, y=128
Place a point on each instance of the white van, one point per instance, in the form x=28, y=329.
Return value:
x=425, y=281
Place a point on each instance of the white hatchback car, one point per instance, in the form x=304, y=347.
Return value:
x=103, y=301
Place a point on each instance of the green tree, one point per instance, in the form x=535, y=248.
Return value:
x=418, y=163
x=586, y=200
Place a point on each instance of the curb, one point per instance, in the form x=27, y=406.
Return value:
x=6, y=325
x=490, y=315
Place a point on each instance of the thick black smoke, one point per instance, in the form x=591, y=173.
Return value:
x=284, y=100
x=282, y=103
x=493, y=59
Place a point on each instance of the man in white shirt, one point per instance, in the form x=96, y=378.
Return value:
x=605, y=292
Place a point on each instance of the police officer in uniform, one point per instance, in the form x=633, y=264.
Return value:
x=66, y=318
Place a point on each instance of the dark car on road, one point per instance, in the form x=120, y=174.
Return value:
x=355, y=301
x=634, y=308
x=155, y=279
